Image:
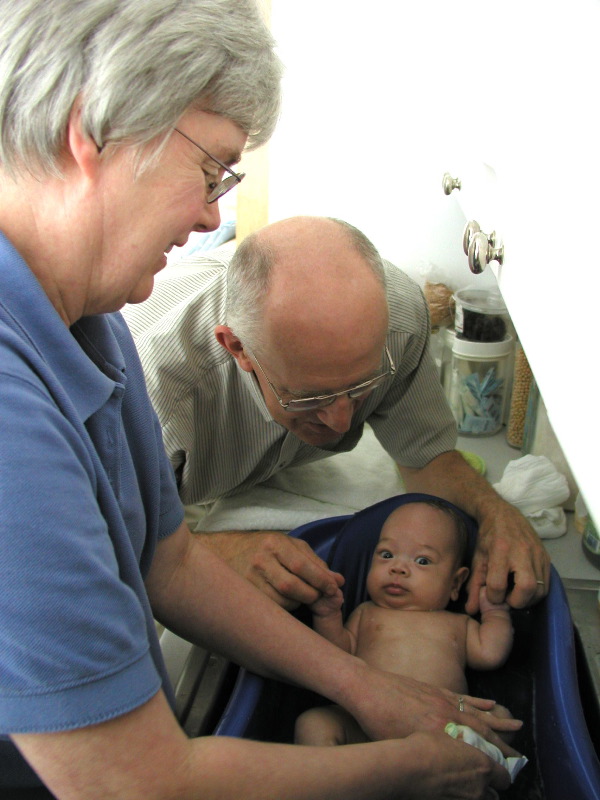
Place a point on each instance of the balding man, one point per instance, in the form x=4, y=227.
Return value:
x=279, y=359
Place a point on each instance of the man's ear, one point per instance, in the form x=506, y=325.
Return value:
x=460, y=576
x=227, y=339
x=81, y=148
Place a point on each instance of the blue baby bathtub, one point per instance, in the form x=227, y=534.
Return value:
x=539, y=682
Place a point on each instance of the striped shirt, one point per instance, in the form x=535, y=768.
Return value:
x=217, y=430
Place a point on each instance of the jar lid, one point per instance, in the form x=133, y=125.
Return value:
x=483, y=301
x=465, y=347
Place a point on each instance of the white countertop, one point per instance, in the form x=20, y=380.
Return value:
x=566, y=551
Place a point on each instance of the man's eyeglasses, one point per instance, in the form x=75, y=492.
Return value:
x=227, y=183
x=324, y=400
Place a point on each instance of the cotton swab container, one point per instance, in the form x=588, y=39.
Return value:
x=477, y=383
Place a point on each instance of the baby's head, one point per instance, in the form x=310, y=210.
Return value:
x=418, y=561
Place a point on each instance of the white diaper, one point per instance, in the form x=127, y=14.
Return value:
x=514, y=764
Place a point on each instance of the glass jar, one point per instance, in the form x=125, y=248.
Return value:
x=480, y=315
x=476, y=384
x=449, y=336
x=437, y=340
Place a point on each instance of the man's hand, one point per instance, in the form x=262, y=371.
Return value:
x=510, y=560
x=283, y=567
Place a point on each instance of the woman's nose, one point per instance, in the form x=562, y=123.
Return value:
x=209, y=217
x=338, y=415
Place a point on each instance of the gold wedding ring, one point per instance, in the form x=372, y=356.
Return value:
x=461, y=703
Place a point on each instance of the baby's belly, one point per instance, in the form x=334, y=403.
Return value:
x=424, y=661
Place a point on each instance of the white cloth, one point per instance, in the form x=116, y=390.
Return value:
x=514, y=764
x=537, y=489
x=342, y=484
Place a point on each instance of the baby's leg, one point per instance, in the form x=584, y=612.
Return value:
x=327, y=726
x=503, y=713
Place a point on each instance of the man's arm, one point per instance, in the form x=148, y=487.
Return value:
x=284, y=568
x=510, y=559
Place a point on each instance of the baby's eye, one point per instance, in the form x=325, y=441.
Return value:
x=385, y=554
x=422, y=560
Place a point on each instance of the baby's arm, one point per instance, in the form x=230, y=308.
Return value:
x=489, y=642
x=327, y=620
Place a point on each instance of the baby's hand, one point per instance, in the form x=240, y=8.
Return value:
x=328, y=604
x=485, y=605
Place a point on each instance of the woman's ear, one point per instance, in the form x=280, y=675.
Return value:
x=460, y=576
x=81, y=148
x=227, y=339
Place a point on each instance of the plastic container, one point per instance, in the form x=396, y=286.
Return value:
x=480, y=315
x=590, y=542
x=476, y=384
x=449, y=337
x=437, y=344
x=581, y=516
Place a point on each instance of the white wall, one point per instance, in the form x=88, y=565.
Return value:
x=381, y=97
x=366, y=122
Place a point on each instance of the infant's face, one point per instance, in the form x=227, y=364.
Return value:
x=414, y=563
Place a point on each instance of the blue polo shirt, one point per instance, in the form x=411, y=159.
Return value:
x=85, y=493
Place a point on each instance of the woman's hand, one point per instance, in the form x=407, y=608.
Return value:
x=447, y=768
x=391, y=706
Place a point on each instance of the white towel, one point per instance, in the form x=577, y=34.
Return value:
x=334, y=486
x=538, y=490
x=514, y=764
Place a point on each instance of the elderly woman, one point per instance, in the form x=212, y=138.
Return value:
x=121, y=122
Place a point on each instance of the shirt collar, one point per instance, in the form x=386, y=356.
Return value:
x=85, y=359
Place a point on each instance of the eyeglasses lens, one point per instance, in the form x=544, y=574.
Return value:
x=353, y=394
x=225, y=185
x=369, y=388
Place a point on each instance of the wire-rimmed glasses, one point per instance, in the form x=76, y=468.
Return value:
x=227, y=183
x=324, y=400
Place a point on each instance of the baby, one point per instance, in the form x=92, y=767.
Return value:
x=417, y=569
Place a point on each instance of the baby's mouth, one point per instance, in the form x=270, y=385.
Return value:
x=395, y=589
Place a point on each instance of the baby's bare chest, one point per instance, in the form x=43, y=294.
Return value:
x=411, y=641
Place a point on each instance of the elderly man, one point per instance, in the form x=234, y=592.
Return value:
x=280, y=360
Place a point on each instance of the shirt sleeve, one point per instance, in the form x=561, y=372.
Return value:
x=413, y=421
